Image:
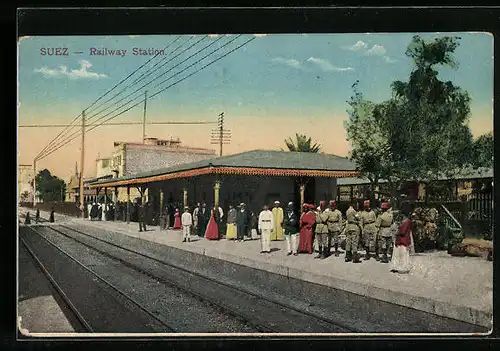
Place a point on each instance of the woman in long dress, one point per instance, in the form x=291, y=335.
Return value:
x=231, y=224
x=400, y=262
x=212, y=232
x=307, y=221
x=177, y=220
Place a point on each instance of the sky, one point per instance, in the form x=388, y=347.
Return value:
x=269, y=89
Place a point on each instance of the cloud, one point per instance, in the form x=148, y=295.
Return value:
x=389, y=60
x=289, y=62
x=325, y=65
x=62, y=71
x=260, y=35
x=359, y=46
x=377, y=50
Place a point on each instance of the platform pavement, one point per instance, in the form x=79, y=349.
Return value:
x=454, y=287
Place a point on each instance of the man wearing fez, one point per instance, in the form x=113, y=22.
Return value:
x=291, y=225
x=384, y=222
x=368, y=220
x=203, y=217
x=352, y=231
x=334, y=228
x=277, y=231
x=322, y=230
x=266, y=224
x=242, y=222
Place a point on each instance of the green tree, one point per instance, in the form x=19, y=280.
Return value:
x=421, y=131
x=302, y=143
x=49, y=187
x=483, y=150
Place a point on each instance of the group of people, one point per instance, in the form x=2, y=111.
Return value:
x=99, y=211
x=375, y=231
x=27, y=219
x=213, y=225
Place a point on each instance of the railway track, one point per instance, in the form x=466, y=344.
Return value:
x=98, y=304
x=262, y=313
x=83, y=324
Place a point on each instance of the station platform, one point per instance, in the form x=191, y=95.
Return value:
x=455, y=287
x=38, y=310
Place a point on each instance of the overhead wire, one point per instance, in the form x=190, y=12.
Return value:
x=75, y=134
x=101, y=97
x=144, y=85
x=165, y=88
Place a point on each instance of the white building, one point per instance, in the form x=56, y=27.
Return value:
x=132, y=158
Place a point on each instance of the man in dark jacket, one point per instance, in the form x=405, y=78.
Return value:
x=290, y=224
x=242, y=222
x=142, y=215
x=203, y=217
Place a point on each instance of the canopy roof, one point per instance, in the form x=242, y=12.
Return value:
x=465, y=174
x=256, y=162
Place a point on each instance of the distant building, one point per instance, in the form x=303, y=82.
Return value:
x=25, y=175
x=132, y=158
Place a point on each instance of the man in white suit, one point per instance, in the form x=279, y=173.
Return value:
x=266, y=224
x=187, y=222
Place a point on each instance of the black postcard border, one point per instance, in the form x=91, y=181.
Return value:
x=162, y=20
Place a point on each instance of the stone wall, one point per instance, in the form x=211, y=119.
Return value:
x=143, y=160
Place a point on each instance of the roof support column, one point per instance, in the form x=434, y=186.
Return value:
x=217, y=192
x=105, y=210
x=162, y=194
x=185, y=194
x=128, y=204
x=302, y=187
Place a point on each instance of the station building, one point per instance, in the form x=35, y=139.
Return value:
x=255, y=177
x=128, y=159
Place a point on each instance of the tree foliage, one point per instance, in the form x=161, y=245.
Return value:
x=49, y=187
x=483, y=150
x=302, y=143
x=421, y=131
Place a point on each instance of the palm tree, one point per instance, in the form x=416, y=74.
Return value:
x=302, y=144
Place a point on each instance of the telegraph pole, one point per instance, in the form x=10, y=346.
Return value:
x=220, y=135
x=144, y=118
x=34, y=183
x=82, y=160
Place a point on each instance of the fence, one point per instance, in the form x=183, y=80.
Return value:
x=66, y=208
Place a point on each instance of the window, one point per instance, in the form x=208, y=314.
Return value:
x=117, y=161
x=105, y=163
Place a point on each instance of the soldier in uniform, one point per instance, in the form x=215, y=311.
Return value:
x=334, y=223
x=322, y=230
x=384, y=222
x=368, y=224
x=352, y=235
x=430, y=227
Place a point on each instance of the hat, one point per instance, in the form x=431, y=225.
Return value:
x=366, y=203
x=333, y=203
x=276, y=202
x=290, y=204
x=242, y=204
x=384, y=205
x=322, y=203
